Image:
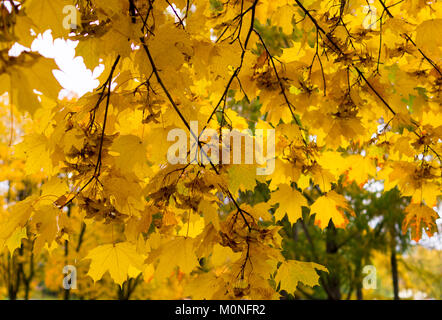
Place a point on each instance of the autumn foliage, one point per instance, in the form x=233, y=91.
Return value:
x=351, y=98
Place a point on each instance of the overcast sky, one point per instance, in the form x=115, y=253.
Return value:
x=73, y=75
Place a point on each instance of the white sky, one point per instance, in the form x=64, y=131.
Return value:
x=73, y=75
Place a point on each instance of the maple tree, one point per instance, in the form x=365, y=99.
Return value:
x=350, y=253
x=348, y=103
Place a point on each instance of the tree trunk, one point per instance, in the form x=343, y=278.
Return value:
x=333, y=283
x=394, y=273
x=393, y=262
x=359, y=295
x=358, y=279
x=66, y=292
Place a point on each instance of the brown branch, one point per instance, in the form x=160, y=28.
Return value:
x=177, y=110
x=181, y=23
x=414, y=44
x=80, y=238
x=238, y=69
x=339, y=50
x=97, y=169
x=98, y=165
x=281, y=85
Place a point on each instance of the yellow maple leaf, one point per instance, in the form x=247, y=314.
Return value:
x=192, y=227
x=210, y=212
x=39, y=76
x=18, y=217
x=45, y=218
x=259, y=210
x=125, y=194
x=360, y=168
x=205, y=285
x=179, y=252
x=322, y=177
x=117, y=258
x=425, y=35
x=34, y=149
x=15, y=240
x=291, y=54
x=49, y=14
x=283, y=17
x=290, y=202
x=132, y=156
x=330, y=207
x=54, y=188
x=420, y=216
x=242, y=177
x=223, y=255
x=291, y=272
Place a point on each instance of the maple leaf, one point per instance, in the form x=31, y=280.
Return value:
x=425, y=32
x=415, y=180
x=132, y=154
x=420, y=217
x=34, y=149
x=360, y=169
x=330, y=207
x=15, y=240
x=291, y=272
x=259, y=211
x=210, y=213
x=206, y=286
x=19, y=216
x=116, y=258
x=55, y=187
x=125, y=193
x=290, y=202
x=178, y=252
x=49, y=14
x=45, y=217
x=223, y=255
x=25, y=79
x=242, y=177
